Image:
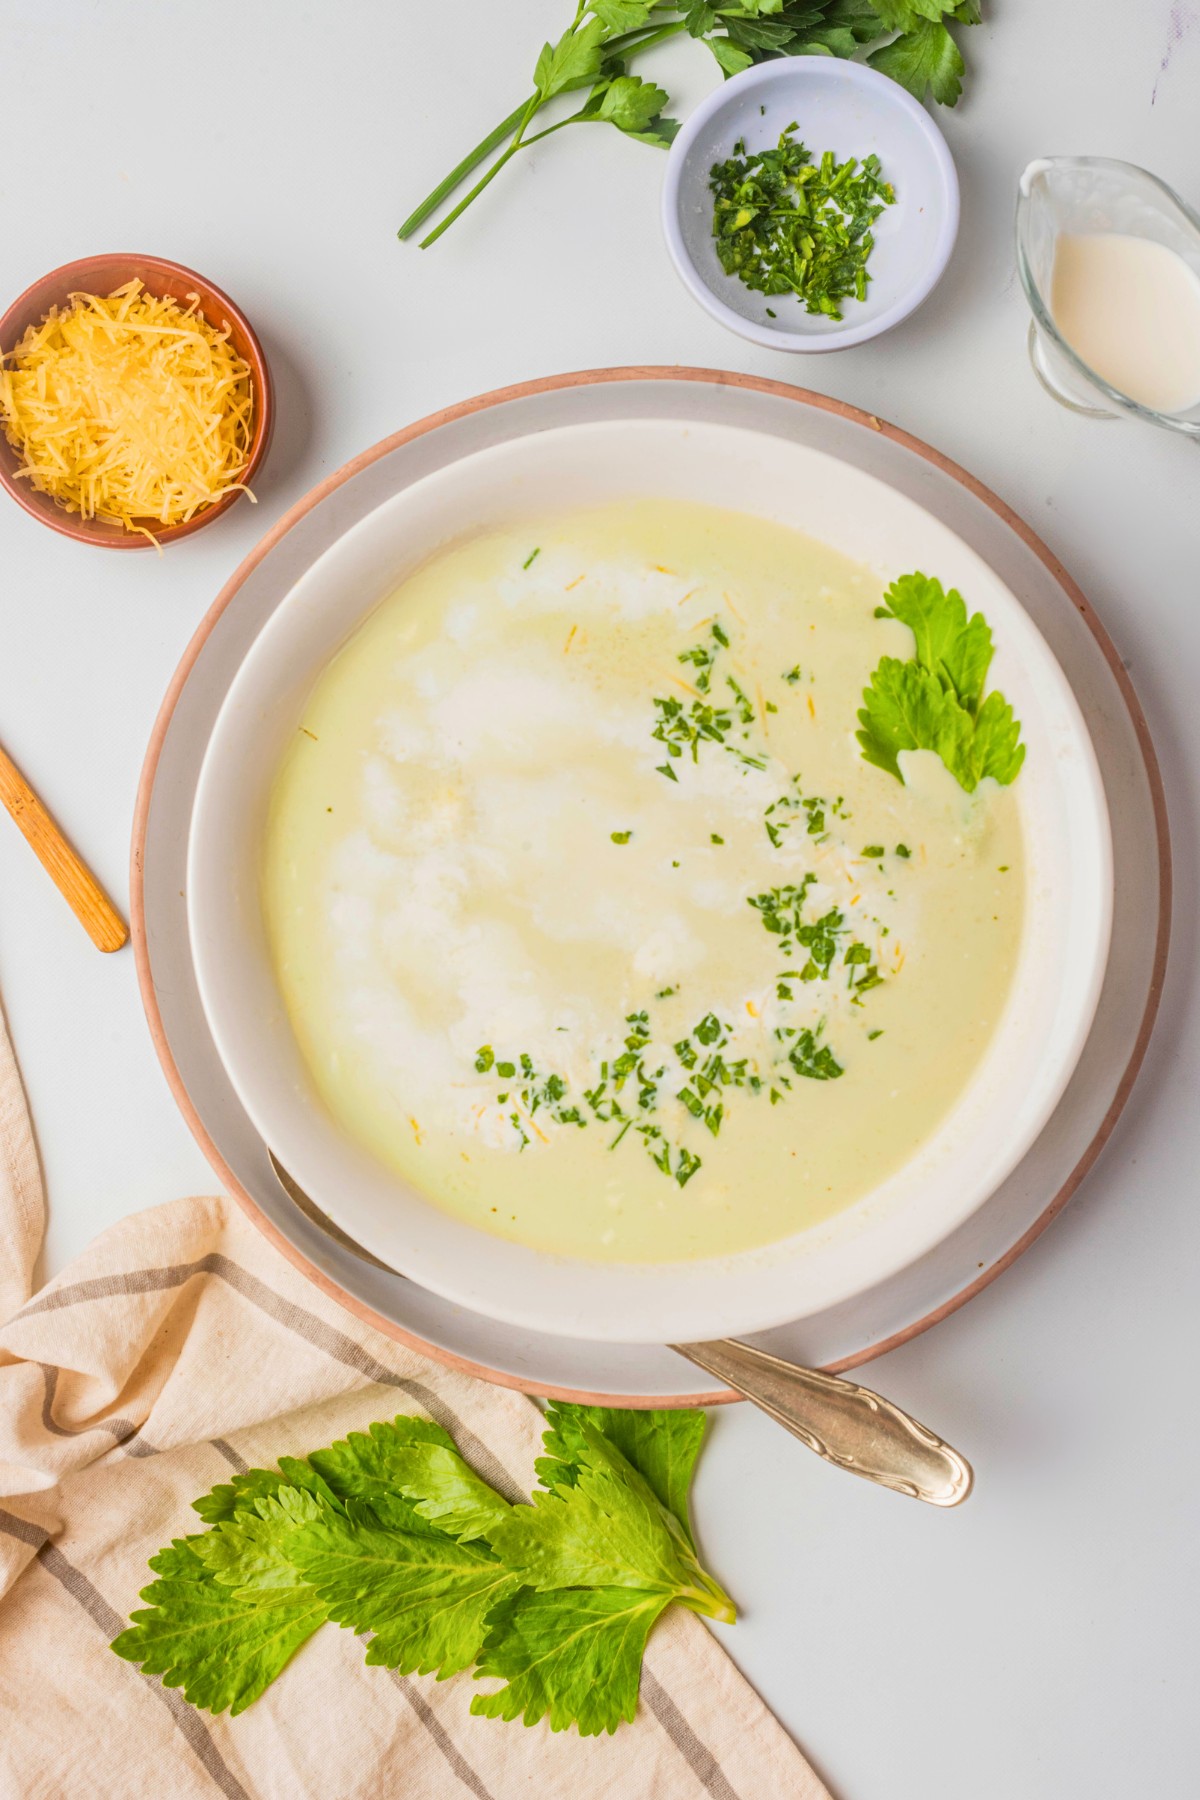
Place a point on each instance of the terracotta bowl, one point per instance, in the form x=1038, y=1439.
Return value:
x=168, y=280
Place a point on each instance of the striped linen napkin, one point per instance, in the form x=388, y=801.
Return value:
x=181, y=1346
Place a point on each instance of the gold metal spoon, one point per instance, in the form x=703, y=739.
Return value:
x=848, y=1425
x=851, y=1427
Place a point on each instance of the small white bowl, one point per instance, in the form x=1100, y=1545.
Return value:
x=839, y=106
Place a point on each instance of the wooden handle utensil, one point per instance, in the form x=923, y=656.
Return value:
x=73, y=879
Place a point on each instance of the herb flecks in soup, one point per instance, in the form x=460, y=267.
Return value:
x=592, y=919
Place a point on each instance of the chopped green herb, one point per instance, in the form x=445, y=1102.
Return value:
x=903, y=850
x=874, y=851
x=786, y=225
x=872, y=1035
x=716, y=839
x=813, y=1059
x=621, y=837
x=532, y=557
x=793, y=676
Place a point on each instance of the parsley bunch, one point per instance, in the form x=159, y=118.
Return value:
x=595, y=51
x=935, y=700
x=393, y=1533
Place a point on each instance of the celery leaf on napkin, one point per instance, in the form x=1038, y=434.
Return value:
x=606, y=1529
x=221, y=1642
x=391, y=1532
x=576, y=1656
x=415, y=1460
x=424, y=1596
x=661, y=1446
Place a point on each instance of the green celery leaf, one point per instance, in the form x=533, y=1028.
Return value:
x=956, y=649
x=432, y=1477
x=661, y=1446
x=575, y=61
x=576, y=1656
x=925, y=58
x=995, y=749
x=605, y=1530
x=250, y=1550
x=222, y=1643
x=245, y=1490
x=363, y=1466
x=907, y=708
x=425, y=1597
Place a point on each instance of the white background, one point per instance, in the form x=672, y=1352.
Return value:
x=1041, y=1643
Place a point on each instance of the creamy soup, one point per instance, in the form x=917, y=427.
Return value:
x=590, y=919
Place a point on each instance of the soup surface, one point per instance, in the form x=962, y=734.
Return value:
x=590, y=919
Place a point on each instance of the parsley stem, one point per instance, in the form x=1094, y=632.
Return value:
x=527, y=112
x=445, y=188
x=627, y=44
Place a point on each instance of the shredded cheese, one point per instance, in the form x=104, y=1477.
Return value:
x=132, y=409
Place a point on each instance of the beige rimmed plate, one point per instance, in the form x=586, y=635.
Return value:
x=983, y=1244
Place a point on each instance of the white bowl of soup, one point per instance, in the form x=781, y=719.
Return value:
x=561, y=941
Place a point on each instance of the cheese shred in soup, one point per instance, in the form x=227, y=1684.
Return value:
x=590, y=919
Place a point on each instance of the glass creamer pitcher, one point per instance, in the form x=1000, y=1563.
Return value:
x=1063, y=196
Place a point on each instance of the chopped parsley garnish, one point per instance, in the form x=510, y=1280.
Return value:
x=786, y=225
x=788, y=810
x=532, y=557
x=813, y=1059
x=683, y=728
x=647, y=1088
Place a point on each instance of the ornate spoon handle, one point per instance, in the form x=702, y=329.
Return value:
x=846, y=1424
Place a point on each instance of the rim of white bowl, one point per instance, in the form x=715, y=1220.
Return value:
x=801, y=71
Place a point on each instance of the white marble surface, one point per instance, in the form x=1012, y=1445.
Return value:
x=1040, y=1643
